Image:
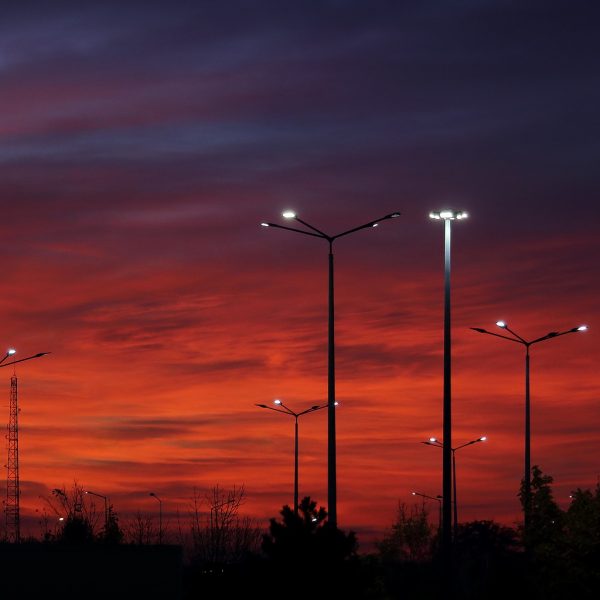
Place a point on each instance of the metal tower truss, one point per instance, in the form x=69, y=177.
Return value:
x=13, y=529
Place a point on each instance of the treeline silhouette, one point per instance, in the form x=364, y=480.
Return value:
x=218, y=553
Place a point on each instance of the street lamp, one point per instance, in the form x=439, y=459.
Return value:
x=435, y=442
x=105, y=508
x=447, y=216
x=437, y=498
x=288, y=411
x=331, y=443
x=515, y=337
x=160, y=529
x=11, y=352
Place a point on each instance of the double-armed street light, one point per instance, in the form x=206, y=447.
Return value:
x=515, y=337
x=438, y=444
x=288, y=411
x=160, y=528
x=331, y=442
x=447, y=215
x=438, y=499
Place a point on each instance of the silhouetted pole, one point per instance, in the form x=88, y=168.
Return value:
x=331, y=439
x=454, y=492
x=435, y=442
x=296, y=465
x=438, y=499
x=160, y=528
x=288, y=411
x=518, y=339
x=331, y=403
x=105, y=508
x=527, y=473
x=447, y=216
x=480, y=439
x=447, y=425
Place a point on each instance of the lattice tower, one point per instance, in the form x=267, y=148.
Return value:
x=13, y=528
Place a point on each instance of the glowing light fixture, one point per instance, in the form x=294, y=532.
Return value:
x=448, y=214
x=288, y=214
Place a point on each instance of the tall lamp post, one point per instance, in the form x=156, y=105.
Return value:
x=515, y=337
x=447, y=215
x=331, y=442
x=435, y=442
x=105, y=508
x=160, y=529
x=438, y=499
x=288, y=411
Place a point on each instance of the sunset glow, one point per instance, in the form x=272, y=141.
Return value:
x=140, y=156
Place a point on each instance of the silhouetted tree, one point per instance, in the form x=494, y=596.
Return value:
x=563, y=548
x=220, y=535
x=407, y=554
x=77, y=518
x=546, y=518
x=49, y=525
x=487, y=560
x=140, y=529
x=112, y=532
x=582, y=553
x=411, y=537
x=222, y=545
x=76, y=530
x=306, y=544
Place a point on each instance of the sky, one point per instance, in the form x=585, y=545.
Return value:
x=142, y=144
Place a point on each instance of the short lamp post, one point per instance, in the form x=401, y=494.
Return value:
x=282, y=408
x=106, y=513
x=435, y=442
x=438, y=499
